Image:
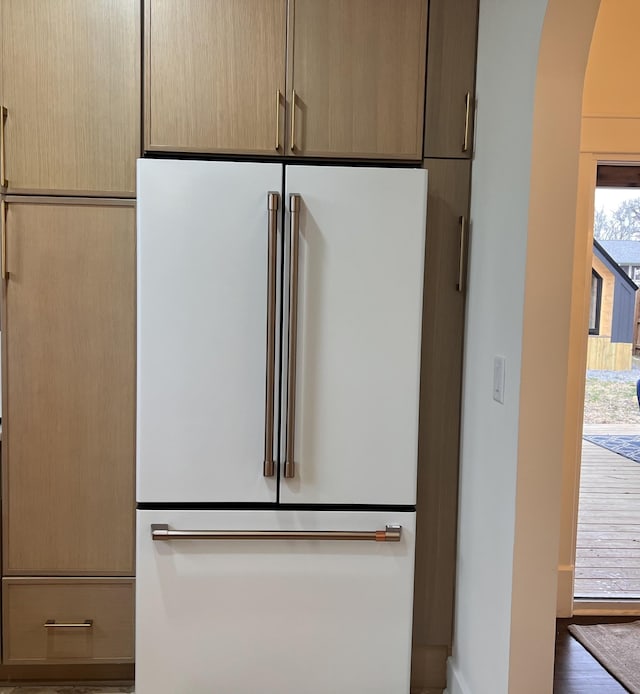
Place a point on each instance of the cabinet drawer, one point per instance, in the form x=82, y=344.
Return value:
x=35, y=610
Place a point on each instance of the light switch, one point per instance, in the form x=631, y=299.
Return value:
x=498, y=379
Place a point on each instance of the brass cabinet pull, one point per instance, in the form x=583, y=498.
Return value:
x=467, y=120
x=463, y=252
x=292, y=145
x=52, y=624
x=3, y=250
x=272, y=206
x=3, y=172
x=278, y=95
x=391, y=533
x=294, y=206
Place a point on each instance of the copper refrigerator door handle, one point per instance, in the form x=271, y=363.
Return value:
x=3, y=171
x=391, y=533
x=460, y=285
x=467, y=122
x=289, y=464
x=273, y=200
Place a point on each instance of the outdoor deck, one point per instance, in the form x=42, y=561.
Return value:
x=608, y=546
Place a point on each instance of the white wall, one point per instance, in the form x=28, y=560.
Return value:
x=520, y=284
x=509, y=33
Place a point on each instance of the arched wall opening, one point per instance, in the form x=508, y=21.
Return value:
x=532, y=58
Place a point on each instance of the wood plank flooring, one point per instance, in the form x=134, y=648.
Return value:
x=608, y=543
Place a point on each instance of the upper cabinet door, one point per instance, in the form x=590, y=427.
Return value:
x=71, y=87
x=356, y=78
x=451, y=71
x=215, y=75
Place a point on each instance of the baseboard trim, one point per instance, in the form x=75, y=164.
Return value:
x=99, y=674
x=564, y=604
x=429, y=668
x=455, y=681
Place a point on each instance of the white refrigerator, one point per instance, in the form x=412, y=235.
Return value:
x=279, y=329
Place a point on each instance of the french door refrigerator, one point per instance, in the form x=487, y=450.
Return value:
x=279, y=325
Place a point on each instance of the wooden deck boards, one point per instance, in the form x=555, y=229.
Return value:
x=608, y=544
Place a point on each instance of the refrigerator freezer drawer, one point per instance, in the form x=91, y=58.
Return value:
x=308, y=615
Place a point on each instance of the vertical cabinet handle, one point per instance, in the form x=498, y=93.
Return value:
x=294, y=206
x=3, y=250
x=273, y=200
x=3, y=174
x=460, y=286
x=278, y=96
x=292, y=145
x=467, y=121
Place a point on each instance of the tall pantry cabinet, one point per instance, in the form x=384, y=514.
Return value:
x=448, y=150
x=70, y=134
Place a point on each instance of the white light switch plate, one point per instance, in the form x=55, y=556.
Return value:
x=498, y=379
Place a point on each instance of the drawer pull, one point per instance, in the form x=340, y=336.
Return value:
x=392, y=533
x=52, y=624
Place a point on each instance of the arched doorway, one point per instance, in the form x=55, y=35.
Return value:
x=531, y=64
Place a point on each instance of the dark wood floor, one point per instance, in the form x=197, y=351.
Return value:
x=576, y=670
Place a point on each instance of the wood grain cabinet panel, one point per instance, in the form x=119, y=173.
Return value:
x=214, y=72
x=69, y=392
x=71, y=87
x=451, y=72
x=357, y=68
x=440, y=395
x=101, y=609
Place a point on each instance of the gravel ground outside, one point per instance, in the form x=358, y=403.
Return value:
x=610, y=397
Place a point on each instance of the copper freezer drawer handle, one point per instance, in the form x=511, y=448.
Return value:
x=52, y=624
x=392, y=533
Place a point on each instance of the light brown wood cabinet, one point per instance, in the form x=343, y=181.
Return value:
x=69, y=388
x=447, y=245
x=70, y=83
x=35, y=612
x=357, y=71
x=451, y=71
x=215, y=75
x=352, y=83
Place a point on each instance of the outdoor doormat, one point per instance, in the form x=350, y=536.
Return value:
x=616, y=647
x=628, y=446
